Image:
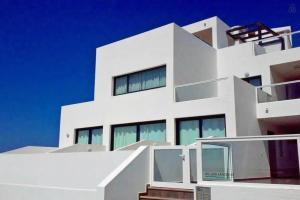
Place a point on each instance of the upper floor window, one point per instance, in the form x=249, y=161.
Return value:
x=139, y=81
x=254, y=80
x=91, y=135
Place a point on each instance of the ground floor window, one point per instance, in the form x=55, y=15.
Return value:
x=188, y=129
x=125, y=134
x=91, y=135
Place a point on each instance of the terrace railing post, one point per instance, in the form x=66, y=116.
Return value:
x=199, y=162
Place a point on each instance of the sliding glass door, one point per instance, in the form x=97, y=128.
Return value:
x=189, y=129
x=153, y=132
x=188, y=132
x=83, y=137
x=90, y=135
x=123, y=135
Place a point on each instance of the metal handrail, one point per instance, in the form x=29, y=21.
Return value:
x=201, y=82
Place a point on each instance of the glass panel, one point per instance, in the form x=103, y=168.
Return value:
x=154, y=132
x=188, y=131
x=83, y=137
x=124, y=136
x=150, y=79
x=135, y=83
x=213, y=127
x=162, y=76
x=97, y=135
x=215, y=162
x=193, y=166
x=121, y=85
x=168, y=165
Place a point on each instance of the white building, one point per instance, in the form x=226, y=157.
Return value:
x=203, y=106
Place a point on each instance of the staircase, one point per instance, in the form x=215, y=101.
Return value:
x=162, y=193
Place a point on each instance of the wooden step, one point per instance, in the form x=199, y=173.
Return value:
x=164, y=193
x=175, y=193
x=157, y=198
x=170, y=189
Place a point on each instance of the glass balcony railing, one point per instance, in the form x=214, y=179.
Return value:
x=278, y=92
x=199, y=90
x=276, y=43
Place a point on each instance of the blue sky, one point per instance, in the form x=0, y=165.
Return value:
x=47, y=50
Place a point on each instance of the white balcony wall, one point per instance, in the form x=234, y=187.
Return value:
x=194, y=60
x=278, y=109
x=241, y=60
x=245, y=108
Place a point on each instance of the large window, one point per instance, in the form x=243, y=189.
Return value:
x=189, y=129
x=138, y=81
x=91, y=135
x=254, y=80
x=125, y=134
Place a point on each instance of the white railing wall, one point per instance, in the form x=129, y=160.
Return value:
x=129, y=179
x=138, y=144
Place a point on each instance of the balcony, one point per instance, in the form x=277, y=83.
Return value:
x=281, y=91
x=272, y=159
x=239, y=159
x=200, y=90
x=278, y=100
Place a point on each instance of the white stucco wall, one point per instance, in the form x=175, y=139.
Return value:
x=240, y=60
x=218, y=30
x=129, y=179
x=66, y=170
x=29, y=192
x=187, y=60
x=278, y=109
x=246, y=191
x=194, y=60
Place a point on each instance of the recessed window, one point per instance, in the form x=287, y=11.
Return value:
x=126, y=134
x=139, y=81
x=189, y=129
x=254, y=80
x=91, y=135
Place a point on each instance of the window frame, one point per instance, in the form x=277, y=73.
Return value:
x=137, y=124
x=142, y=71
x=90, y=133
x=200, y=121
